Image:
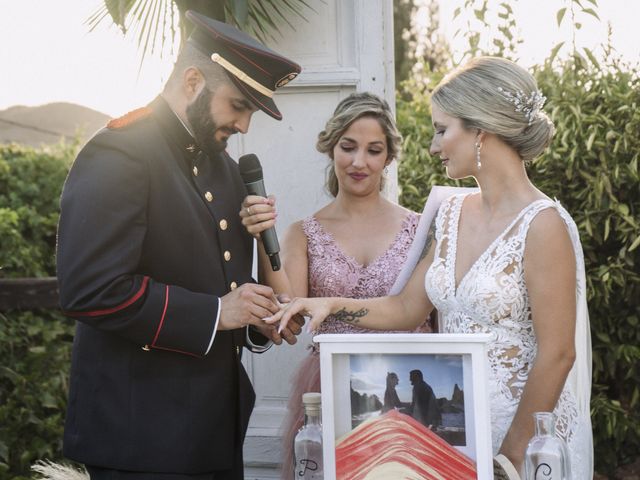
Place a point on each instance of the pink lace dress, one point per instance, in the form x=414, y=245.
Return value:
x=334, y=274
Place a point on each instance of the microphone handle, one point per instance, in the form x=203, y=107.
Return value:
x=269, y=237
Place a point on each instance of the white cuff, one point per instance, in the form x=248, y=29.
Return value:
x=215, y=327
x=257, y=348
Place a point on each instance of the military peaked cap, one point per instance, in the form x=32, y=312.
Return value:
x=256, y=70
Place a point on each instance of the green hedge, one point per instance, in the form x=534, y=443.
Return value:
x=30, y=186
x=35, y=346
x=592, y=168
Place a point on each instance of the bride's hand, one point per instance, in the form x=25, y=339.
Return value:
x=317, y=309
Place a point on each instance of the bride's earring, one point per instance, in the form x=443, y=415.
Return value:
x=478, y=162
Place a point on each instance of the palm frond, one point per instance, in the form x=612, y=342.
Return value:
x=296, y=7
x=272, y=13
x=153, y=22
x=96, y=18
x=283, y=16
x=241, y=11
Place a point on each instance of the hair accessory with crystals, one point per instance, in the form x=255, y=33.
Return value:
x=530, y=105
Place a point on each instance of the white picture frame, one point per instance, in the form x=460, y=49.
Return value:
x=341, y=355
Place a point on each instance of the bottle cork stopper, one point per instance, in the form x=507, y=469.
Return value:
x=311, y=398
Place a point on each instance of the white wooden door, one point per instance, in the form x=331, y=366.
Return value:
x=346, y=46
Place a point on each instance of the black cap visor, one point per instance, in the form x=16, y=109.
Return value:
x=264, y=103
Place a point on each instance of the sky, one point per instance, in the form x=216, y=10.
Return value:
x=48, y=55
x=441, y=372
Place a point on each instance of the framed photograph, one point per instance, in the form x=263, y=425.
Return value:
x=405, y=406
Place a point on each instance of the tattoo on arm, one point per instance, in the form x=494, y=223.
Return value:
x=350, y=317
x=430, y=236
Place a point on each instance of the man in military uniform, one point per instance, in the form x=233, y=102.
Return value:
x=424, y=405
x=155, y=265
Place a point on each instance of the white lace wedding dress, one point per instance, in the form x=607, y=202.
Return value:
x=492, y=298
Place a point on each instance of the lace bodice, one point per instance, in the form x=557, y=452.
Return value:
x=332, y=273
x=492, y=298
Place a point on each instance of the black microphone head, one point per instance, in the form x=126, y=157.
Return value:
x=250, y=169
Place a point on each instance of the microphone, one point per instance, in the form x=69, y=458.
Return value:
x=251, y=173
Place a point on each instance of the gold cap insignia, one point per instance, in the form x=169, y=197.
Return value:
x=286, y=79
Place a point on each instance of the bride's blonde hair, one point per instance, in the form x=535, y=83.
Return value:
x=482, y=94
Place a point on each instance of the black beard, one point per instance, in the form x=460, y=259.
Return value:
x=203, y=125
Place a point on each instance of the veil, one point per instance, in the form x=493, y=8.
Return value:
x=437, y=194
x=579, y=379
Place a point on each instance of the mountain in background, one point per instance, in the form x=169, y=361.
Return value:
x=48, y=124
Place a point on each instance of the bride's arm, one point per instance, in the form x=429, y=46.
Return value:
x=404, y=311
x=550, y=275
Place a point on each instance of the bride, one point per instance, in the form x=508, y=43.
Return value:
x=505, y=260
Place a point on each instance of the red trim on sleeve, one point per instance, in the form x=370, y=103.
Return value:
x=164, y=312
x=109, y=311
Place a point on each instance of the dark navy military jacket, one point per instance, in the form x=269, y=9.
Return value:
x=149, y=239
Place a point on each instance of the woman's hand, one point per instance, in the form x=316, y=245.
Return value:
x=258, y=214
x=317, y=309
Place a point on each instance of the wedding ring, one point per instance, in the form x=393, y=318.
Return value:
x=249, y=211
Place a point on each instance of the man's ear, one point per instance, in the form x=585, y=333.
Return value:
x=192, y=82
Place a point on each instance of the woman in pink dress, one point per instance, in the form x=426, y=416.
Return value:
x=353, y=247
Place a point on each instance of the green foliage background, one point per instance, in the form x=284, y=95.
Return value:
x=592, y=168
x=35, y=346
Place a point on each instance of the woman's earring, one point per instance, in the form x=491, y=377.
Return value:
x=386, y=170
x=478, y=162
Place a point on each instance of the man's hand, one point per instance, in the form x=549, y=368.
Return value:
x=247, y=305
x=294, y=328
x=289, y=333
x=317, y=309
x=271, y=332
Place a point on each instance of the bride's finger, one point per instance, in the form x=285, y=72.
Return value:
x=275, y=318
x=284, y=321
x=288, y=312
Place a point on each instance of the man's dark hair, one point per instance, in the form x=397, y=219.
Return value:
x=191, y=56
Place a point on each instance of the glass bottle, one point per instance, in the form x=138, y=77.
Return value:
x=308, y=442
x=546, y=457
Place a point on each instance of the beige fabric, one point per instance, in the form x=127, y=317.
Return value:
x=503, y=469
